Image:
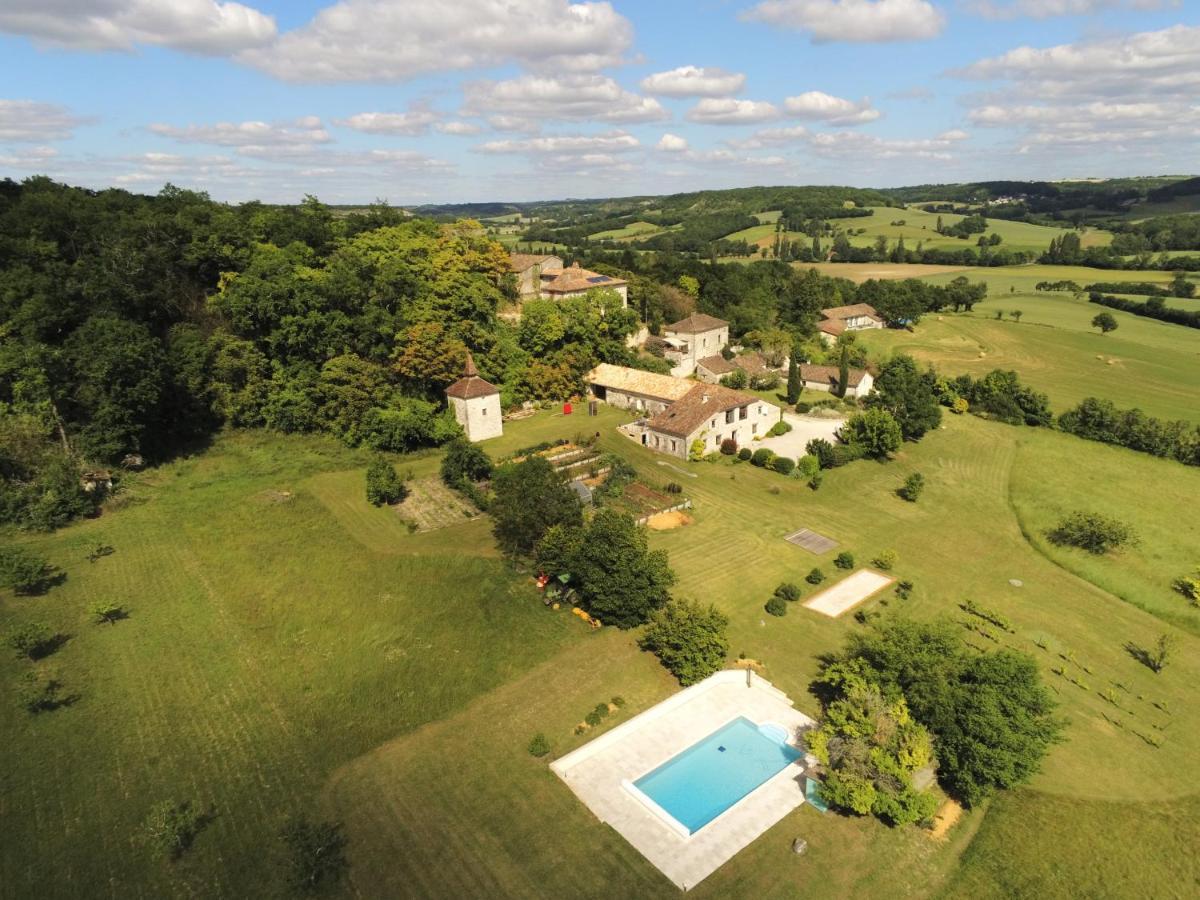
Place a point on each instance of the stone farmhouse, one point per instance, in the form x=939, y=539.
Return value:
x=682, y=412
x=690, y=340
x=825, y=378
x=476, y=404
x=839, y=319
x=546, y=278
x=712, y=369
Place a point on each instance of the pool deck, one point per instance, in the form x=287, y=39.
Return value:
x=600, y=771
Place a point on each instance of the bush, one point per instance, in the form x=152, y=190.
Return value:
x=776, y=606
x=745, y=453
x=384, y=486
x=844, y=560
x=822, y=450
x=689, y=639
x=539, y=746
x=696, y=451
x=803, y=407
x=737, y=380
x=885, y=560
x=807, y=466
x=316, y=854
x=1189, y=587
x=24, y=572
x=105, y=612
x=875, y=432
x=904, y=590
x=674, y=487
x=33, y=640
x=788, y=591
x=465, y=461
x=762, y=457
x=601, y=710
x=1092, y=532
x=593, y=718
x=617, y=701
x=816, y=576
x=843, y=454
x=729, y=447
x=171, y=827
x=783, y=465
x=37, y=694
x=815, y=482
x=780, y=427
x=912, y=487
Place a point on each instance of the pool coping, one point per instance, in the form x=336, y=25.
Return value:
x=601, y=774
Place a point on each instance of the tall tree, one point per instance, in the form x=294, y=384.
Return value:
x=530, y=498
x=909, y=395
x=620, y=579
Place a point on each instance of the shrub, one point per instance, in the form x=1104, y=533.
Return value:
x=807, y=466
x=762, y=457
x=822, y=450
x=465, y=461
x=783, y=465
x=885, y=560
x=776, y=606
x=815, y=482
x=904, y=589
x=593, y=718
x=1092, y=532
x=1189, y=587
x=788, y=591
x=617, y=701
x=539, y=746
x=803, y=407
x=736, y=379
x=729, y=447
x=696, y=451
x=383, y=484
x=959, y=405
x=37, y=694
x=844, y=454
x=767, y=381
x=33, y=640
x=875, y=432
x=689, y=639
x=24, y=572
x=745, y=453
x=816, y=576
x=780, y=427
x=844, y=560
x=316, y=854
x=912, y=487
x=171, y=827
x=674, y=487
x=601, y=710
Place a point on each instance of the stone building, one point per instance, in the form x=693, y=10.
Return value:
x=476, y=404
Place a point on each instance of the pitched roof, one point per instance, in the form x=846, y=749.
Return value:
x=832, y=326
x=849, y=312
x=471, y=385
x=697, y=323
x=829, y=374
x=696, y=407
x=635, y=381
x=519, y=262
x=718, y=364
x=751, y=363
x=573, y=278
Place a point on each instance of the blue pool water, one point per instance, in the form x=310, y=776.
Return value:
x=703, y=781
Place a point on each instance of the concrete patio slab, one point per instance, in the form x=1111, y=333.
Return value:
x=848, y=593
x=600, y=773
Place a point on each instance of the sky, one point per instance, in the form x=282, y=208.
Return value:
x=443, y=101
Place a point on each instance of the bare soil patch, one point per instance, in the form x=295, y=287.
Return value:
x=945, y=819
x=667, y=520
x=431, y=505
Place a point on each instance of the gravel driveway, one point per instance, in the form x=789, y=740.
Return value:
x=804, y=429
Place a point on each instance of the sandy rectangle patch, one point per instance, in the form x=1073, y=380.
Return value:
x=811, y=541
x=848, y=593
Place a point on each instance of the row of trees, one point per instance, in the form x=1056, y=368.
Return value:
x=1151, y=308
x=1100, y=420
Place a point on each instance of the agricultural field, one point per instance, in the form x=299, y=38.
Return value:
x=1145, y=363
x=632, y=231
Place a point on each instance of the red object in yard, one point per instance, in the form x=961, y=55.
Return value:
x=566, y=409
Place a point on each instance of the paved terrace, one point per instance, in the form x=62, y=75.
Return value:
x=597, y=773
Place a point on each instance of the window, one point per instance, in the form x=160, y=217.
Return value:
x=744, y=412
x=672, y=446
x=729, y=413
x=754, y=428
x=483, y=412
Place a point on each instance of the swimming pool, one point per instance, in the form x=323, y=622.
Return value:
x=698, y=784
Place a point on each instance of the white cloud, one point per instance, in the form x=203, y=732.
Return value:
x=520, y=103
x=457, y=127
x=35, y=158
x=821, y=107
x=1045, y=9
x=301, y=132
x=612, y=142
x=672, y=143
x=773, y=137
x=859, y=21
x=693, y=81
x=1130, y=91
x=414, y=122
x=395, y=40
x=29, y=120
x=855, y=145
x=712, y=111
x=198, y=26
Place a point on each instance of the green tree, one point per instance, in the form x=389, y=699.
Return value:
x=1093, y=532
x=909, y=394
x=913, y=485
x=465, y=461
x=874, y=432
x=530, y=497
x=843, y=381
x=33, y=640
x=23, y=571
x=1181, y=287
x=1105, y=322
x=794, y=384
x=384, y=485
x=105, y=612
x=688, y=638
x=619, y=578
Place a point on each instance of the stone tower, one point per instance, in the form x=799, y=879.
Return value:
x=476, y=404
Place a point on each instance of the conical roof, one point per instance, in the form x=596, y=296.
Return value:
x=471, y=385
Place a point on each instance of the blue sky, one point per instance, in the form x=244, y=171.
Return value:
x=538, y=99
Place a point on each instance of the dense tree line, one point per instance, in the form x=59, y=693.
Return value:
x=1151, y=308
x=1100, y=420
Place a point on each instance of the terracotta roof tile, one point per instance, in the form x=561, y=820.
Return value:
x=635, y=381
x=696, y=407
x=849, y=312
x=471, y=386
x=519, y=262
x=697, y=323
x=574, y=279
x=829, y=375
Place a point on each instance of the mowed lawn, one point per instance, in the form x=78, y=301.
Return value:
x=1145, y=363
x=458, y=808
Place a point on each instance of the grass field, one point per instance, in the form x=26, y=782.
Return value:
x=1145, y=363
x=632, y=231
x=291, y=649
x=921, y=227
